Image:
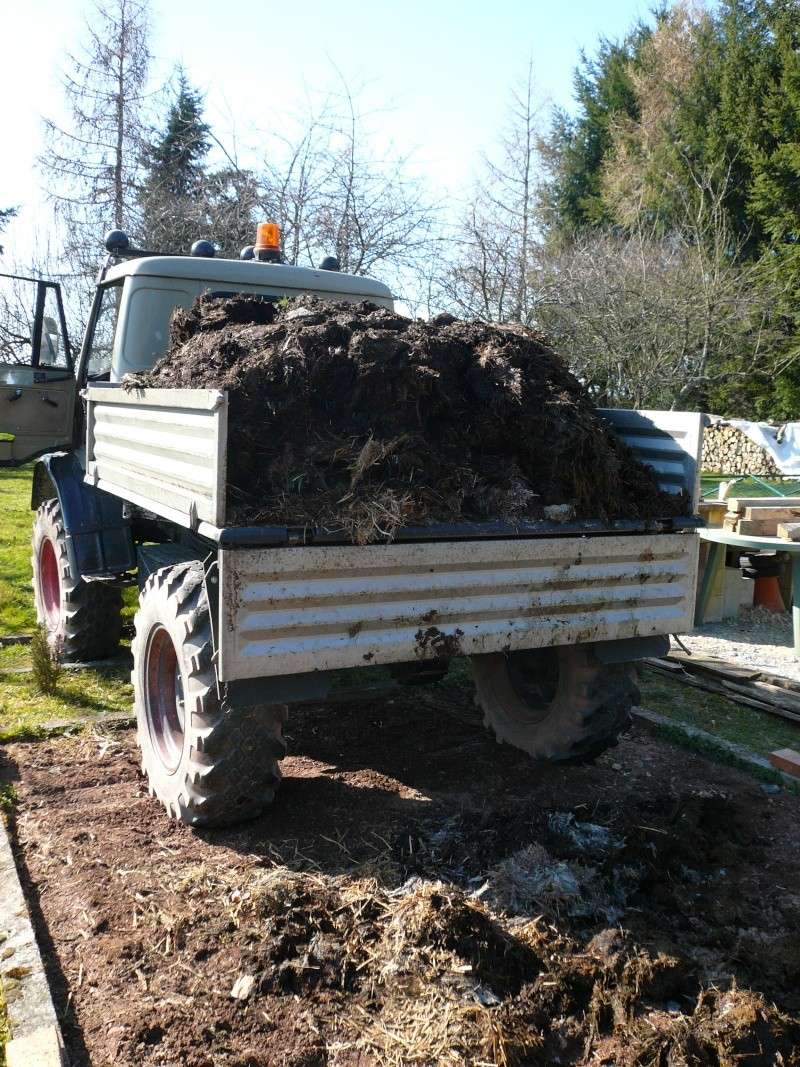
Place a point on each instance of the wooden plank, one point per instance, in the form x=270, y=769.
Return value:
x=714, y=666
x=756, y=528
x=664, y=665
x=781, y=682
x=778, y=514
x=762, y=696
x=785, y=706
x=786, y=760
x=789, y=531
x=739, y=503
x=713, y=511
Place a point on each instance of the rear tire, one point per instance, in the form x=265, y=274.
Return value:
x=83, y=619
x=208, y=764
x=557, y=704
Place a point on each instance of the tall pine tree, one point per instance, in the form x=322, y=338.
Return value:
x=577, y=146
x=172, y=195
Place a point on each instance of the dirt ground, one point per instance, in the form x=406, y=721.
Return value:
x=357, y=420
x=418, y=895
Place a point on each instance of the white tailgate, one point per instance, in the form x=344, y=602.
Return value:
x=293, y=610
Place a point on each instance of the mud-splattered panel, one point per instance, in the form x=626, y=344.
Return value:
x=292, y=610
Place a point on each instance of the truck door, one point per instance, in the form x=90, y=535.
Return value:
x=37, y=379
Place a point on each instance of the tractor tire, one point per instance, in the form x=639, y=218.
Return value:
x=83, y=620
x=208, y=764
x=559, y=704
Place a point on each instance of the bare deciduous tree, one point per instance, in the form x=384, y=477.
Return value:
x=92, y=166
x=6, y=215
x=496, y=244
x=336, y=192
x=650, y=321
x=16, y=321
x=295, y=177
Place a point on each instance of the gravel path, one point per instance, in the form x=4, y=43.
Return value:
x=757, y=638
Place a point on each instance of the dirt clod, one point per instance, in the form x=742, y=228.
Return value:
x=355, y=420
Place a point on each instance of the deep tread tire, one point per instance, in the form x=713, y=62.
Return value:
x=228, y=769
x=590, y=707
x=89, y=619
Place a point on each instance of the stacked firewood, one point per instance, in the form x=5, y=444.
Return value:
x=726, y=450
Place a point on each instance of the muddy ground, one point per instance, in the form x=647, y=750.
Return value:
x=356, y=420
x=418, y=895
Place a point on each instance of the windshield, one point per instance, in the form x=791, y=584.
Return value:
x=99, y=364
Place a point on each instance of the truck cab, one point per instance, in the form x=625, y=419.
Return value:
x=137, y=298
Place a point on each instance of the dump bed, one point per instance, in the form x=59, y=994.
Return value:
x=289, y=606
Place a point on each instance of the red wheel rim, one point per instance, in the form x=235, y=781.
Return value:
x=164, y=699
x=49, y=583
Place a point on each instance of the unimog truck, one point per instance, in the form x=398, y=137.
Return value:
x=236, y=623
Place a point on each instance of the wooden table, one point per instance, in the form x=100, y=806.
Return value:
x=719, y=540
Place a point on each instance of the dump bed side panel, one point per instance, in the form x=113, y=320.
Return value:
x=293, y=610
x=668, y=441
x=163, y=449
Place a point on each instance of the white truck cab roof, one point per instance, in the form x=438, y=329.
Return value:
x=141, y=293
x=252, y=274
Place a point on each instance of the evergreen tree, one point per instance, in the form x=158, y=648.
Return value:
x=171, y=195
x=693, y=128
x=577, y=147
x=175, y=161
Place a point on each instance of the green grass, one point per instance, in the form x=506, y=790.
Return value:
x=756, y=730
x=16, y=603
x=79, y=694
x=747, y=486
x=14, y=656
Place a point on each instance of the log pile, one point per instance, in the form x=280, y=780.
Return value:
x=726, y=450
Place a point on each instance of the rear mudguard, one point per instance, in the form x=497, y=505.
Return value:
x=99, y=540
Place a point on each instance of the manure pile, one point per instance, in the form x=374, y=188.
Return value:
x=356, y=420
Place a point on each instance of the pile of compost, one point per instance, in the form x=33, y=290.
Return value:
x=353, y=419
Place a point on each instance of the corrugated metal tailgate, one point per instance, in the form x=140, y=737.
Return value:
x=292, y=610
x=163, y=449
x=668, y=441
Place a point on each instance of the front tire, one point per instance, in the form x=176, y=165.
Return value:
x=559, y=704
x=208, y=764
x=83, y=620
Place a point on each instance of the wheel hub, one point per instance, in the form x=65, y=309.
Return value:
x=534, y=675
x=164, y=701
x=49, y=583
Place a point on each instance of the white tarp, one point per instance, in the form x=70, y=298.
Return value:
x=781, y=442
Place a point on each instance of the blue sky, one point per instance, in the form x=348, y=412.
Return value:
x=437, y=74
